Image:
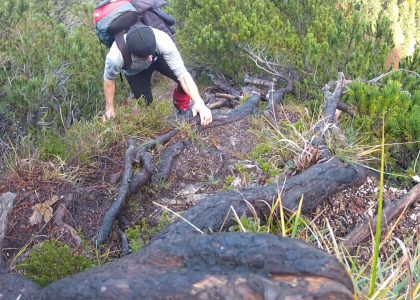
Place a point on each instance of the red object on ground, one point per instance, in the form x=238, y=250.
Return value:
x=181, y=100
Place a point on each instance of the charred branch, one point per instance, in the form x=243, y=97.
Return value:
x=6, y=205
x=346, y=108
x=217, y=266
x=115, y=209
x=166, y=162
x=315, y=185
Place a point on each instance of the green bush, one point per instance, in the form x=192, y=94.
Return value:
x=53, y=261
x=319, y=38
x=51, y=67
x=400, y=103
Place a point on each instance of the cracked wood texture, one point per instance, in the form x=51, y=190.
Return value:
x=316, y=184
x=218, y=266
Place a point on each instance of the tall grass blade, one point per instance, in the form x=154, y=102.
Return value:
x=379, y=223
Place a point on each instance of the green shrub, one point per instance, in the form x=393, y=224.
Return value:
x=318, y=38
x=401, y=105
x=51, y=67
x=52, y=261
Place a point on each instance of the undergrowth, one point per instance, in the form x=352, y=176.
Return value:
x=52, y=261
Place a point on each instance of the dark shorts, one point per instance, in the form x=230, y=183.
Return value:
x=141, y=83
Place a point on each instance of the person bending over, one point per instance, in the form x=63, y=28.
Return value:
x=151, y=50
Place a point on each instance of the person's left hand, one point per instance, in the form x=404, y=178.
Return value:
x=204, y=112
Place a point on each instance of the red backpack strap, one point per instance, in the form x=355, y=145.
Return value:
x=122, y=46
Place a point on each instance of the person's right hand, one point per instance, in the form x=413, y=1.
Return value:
x=109, y=114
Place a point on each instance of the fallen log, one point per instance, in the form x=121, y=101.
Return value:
x=394, y=209
x=218, y=266
x=15, y=286
x=6, y=205
x=316, y=184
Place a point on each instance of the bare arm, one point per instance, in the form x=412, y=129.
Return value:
x=109, y=92
x=199, y=106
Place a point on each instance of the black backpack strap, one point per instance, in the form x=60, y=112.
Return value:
x=122, y=46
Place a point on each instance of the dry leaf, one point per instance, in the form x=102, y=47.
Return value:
x=42, y=210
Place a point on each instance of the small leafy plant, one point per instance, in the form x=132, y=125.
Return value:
x=52, y=261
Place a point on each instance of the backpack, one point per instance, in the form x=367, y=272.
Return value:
x=113, y=18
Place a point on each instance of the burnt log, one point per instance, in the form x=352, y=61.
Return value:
x=316, y=184
x=218, y=266
x=15, y=286
x=6, y=205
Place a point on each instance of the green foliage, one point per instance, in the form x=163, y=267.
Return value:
x=403, y=15
x=142, y=234
x=51, y=71
x=52, y=261
x=248, y=224
x=10, y=13
x=319, y=38
x=401, y=105
x=214, y=30
x=52, y=145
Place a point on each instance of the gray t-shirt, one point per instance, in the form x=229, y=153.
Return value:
x=165, y=46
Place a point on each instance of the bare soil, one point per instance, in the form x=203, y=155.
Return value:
x=201, y=169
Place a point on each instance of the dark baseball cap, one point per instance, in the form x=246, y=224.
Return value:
x=141, y=40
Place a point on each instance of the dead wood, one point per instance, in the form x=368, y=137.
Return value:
x=258, y=81
x=6, y=204
x=115, y=209
x=59, y=220
x=125, y=248
x=15, y=286
x=346, y=108
x=222, y=85
x=333, y=98
x=131, y=181
x=316, y=184
x=166, y=162
x=276, y=97
x=218, y=266
x=393, y=210
x=221, y=103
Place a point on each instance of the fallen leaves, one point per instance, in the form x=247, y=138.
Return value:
x=42, y=210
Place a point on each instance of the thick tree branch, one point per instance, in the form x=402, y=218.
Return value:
x=6, y=206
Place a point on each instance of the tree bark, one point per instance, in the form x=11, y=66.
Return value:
x=218, y=266
x=316, y=184
x=6, y=205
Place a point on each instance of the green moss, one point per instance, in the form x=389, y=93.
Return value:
x=52, y=261
x=142, y=234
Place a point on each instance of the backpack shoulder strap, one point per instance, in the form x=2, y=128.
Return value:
x=122, y=46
